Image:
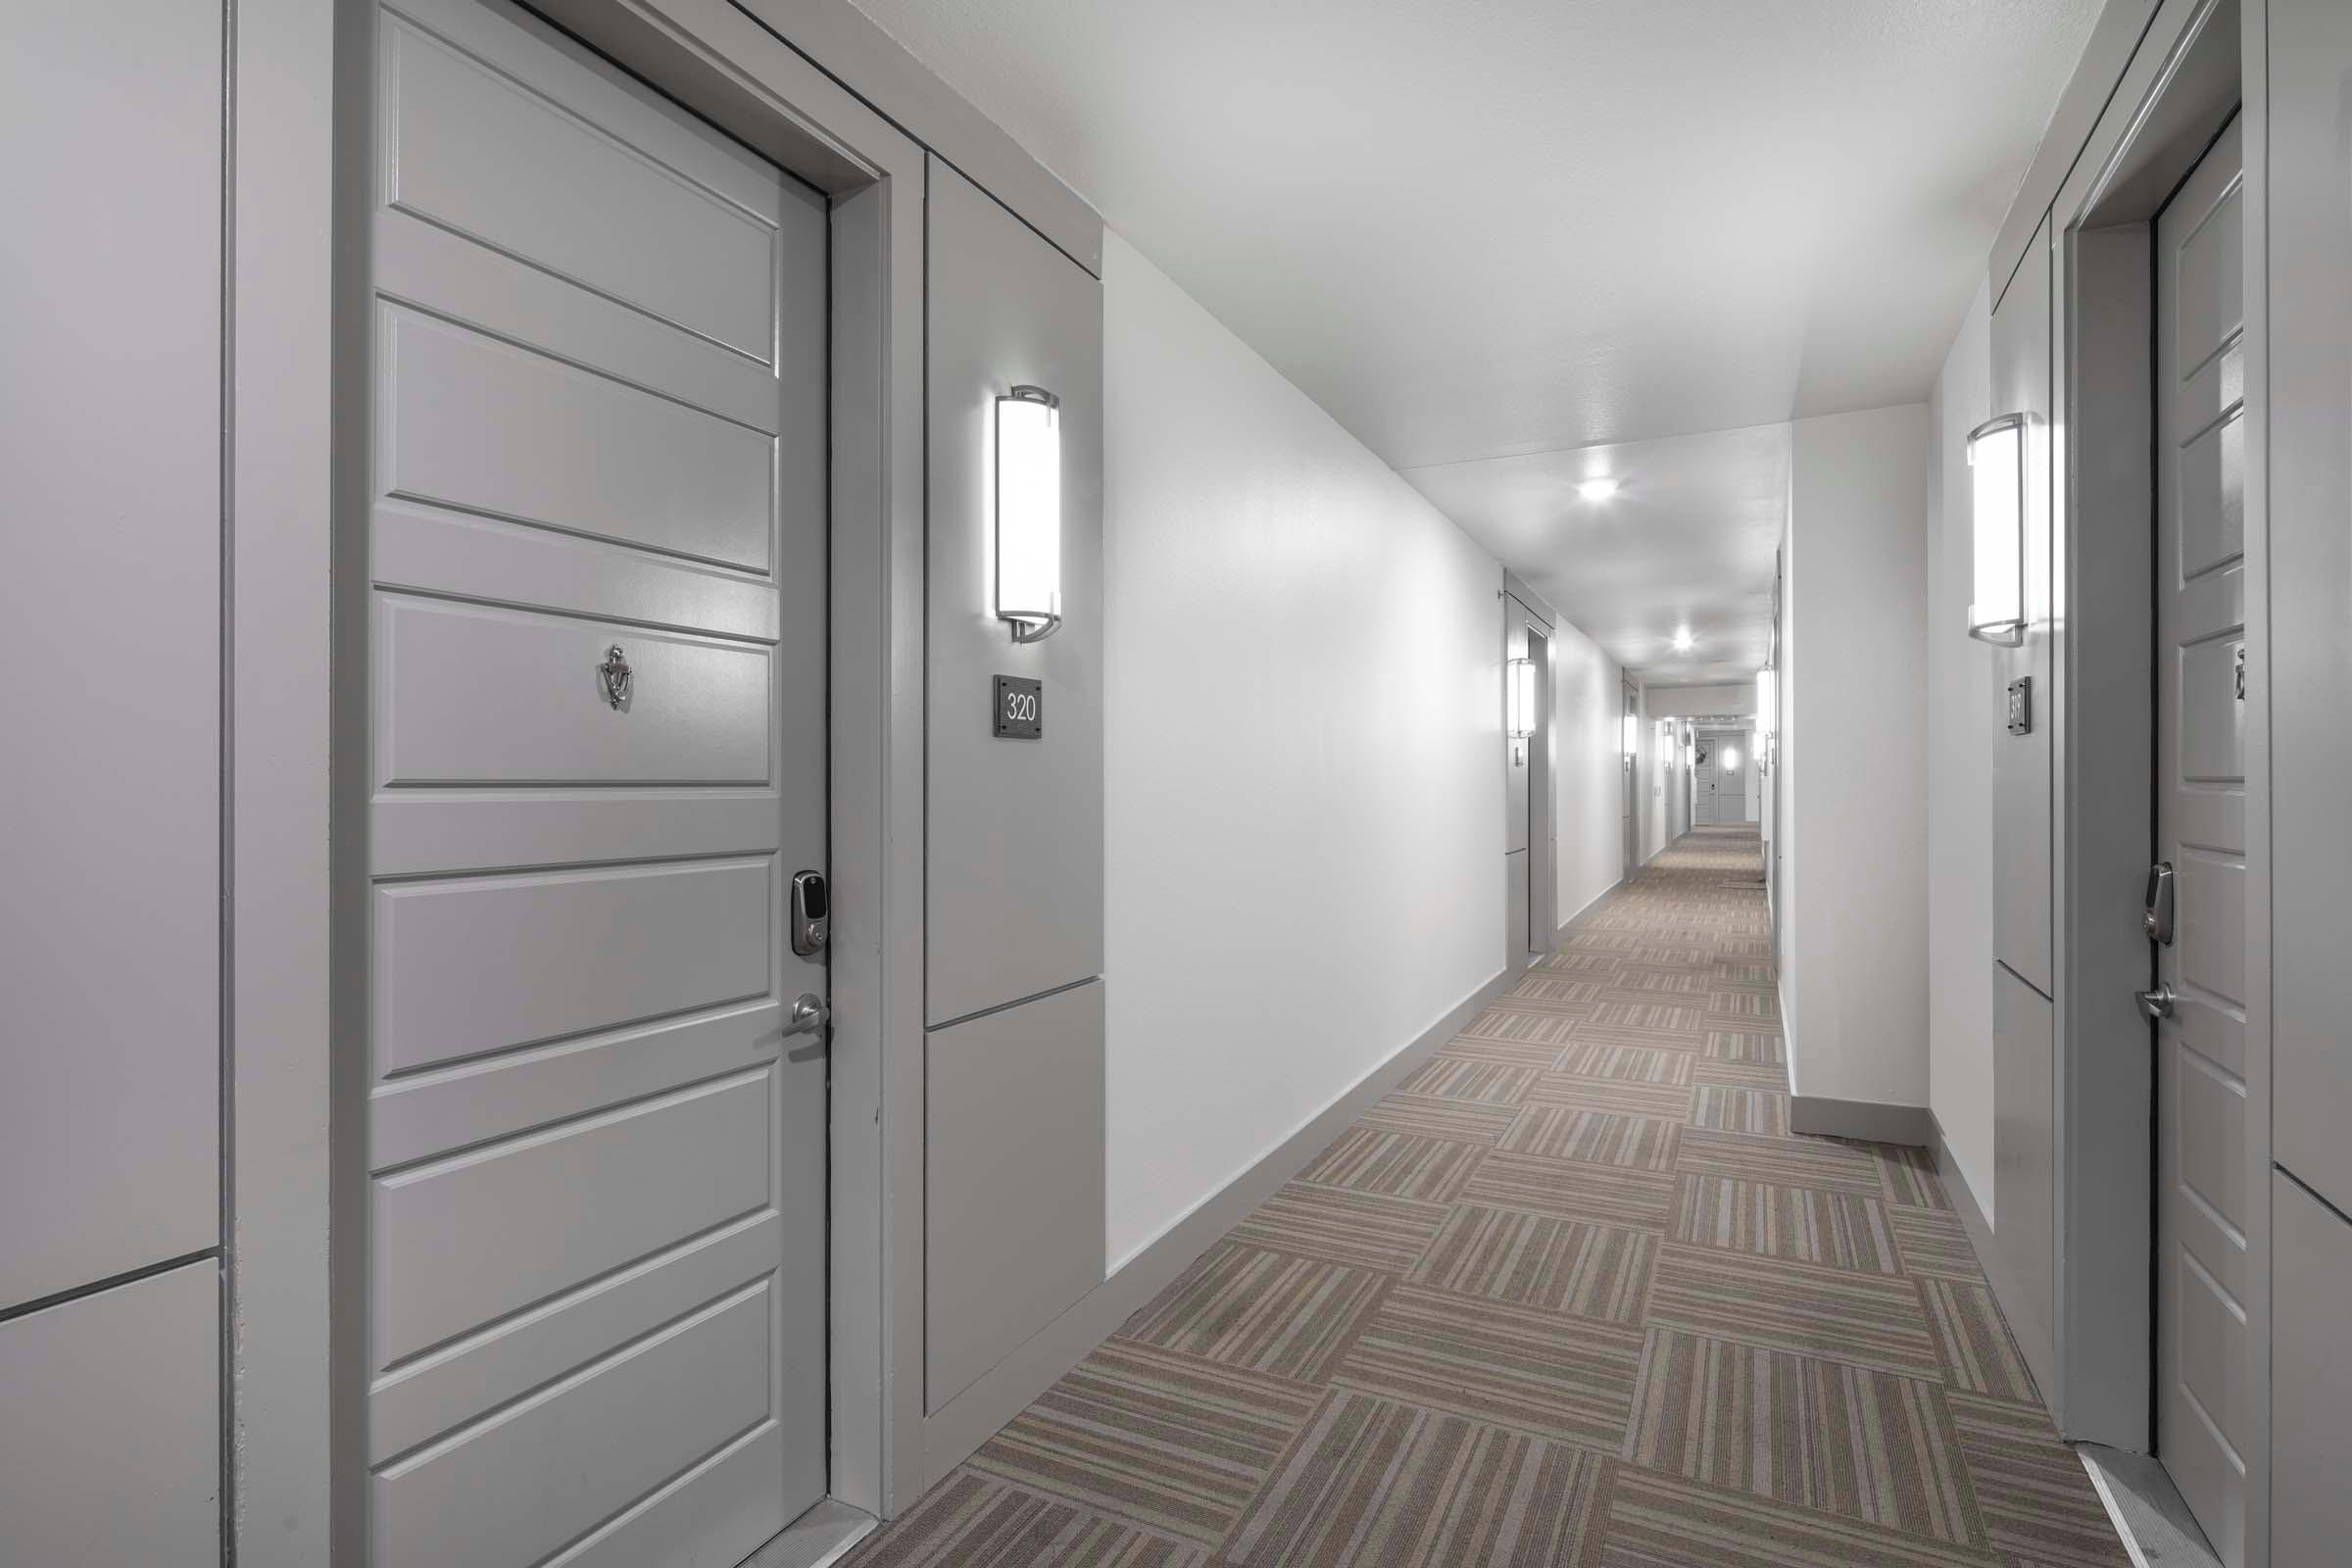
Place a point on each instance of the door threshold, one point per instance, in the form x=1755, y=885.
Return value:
x=2158, y=1530
x=818, y=1538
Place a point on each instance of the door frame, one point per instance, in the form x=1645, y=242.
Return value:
x=293, y=1352
x=2196, y=61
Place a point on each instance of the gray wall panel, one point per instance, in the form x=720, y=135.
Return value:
x=1013, y=1179
x=1015, y=874
x=110, y=479
x=2311, y=1379
x=110, y=1427
x=2025, y=1194
x=2310, y=647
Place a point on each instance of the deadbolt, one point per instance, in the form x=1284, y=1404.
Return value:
x=811, y=913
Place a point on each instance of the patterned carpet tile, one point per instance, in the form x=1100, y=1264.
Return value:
x=1748, y=1045
x=1612, y=1196
x=1550, y=985
x=1168, y=1442
x=1489, y=1083
x=1631, y=1064
x=1648, y=1017
x=1648, y=1520
x=1979, y=1355
x=1362, y=1230
x=1505, y=1365
x=1838, y=1230
x=1933, y=1241
x=1769, y=1076
x=1462, y=1120
x=1908, y=1177
x=1541, y=1034
x=1373, y=1482
x=1286, y=1317
x=1537, y=1260
x=1395, y=1164
x=2038, y=1502
x=1842, y=1440
x=973, y=1522
x=1571, y=1297
x=1763, y=1112
x=1794, y=1162
x=1598, y=1137
x=1868, y=1320
x=1668, y=1101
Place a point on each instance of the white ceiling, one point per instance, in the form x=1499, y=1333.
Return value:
x=1477, y=228
x=1686, y=542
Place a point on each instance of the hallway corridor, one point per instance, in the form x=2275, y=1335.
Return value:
x=1572, y=1293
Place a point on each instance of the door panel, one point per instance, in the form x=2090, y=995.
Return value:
x=596, y=1222
x=2203, y=1217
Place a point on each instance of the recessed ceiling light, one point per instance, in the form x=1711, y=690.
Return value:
x=1683, y=640
x=1598, y=489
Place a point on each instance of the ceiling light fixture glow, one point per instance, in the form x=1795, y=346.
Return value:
x=1683, y=640
x=1597, y=489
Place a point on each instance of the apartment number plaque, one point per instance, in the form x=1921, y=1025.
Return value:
x=1020, y=708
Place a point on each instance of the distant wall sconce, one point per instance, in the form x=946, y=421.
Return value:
x=1996, y=461
x=1633, y=736
x=1730, y=759
x=1029, y=513
x=1519, y=697
x=1768, y=701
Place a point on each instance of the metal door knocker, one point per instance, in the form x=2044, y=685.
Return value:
x=615, y=672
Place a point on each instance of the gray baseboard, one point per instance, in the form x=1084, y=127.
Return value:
x=952, y=1433
x=1869, y=1120
x=1591, y=909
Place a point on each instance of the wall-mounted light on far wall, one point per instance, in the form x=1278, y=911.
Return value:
x=1730, y=759
x=1996, y=461
x=1633, y=735
x=1029, y=513
x=1519, y=697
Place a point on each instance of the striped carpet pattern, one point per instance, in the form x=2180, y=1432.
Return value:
x=1571, y=1297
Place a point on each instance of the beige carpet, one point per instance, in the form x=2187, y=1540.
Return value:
x=1572, y=1295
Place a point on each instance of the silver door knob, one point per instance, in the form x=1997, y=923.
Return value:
x=2157, y=1004
x=808, y=1014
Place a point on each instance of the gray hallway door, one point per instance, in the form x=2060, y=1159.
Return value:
x=2202, y=1261
x=1705, y=784
x=596, y=1138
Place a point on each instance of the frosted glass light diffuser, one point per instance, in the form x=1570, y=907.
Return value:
x=1029, y=513
x=1519, y=697
x=1996, y=461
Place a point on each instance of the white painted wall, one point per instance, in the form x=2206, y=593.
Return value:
x=1854, y=981
x=1691, y=701
x=1963, y=723
x=1304, y=795
x=1586, y=687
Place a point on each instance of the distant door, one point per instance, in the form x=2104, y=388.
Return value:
x=2202, y=1420
x=596, y=1118
x=1704, y=782
x=1632, y=769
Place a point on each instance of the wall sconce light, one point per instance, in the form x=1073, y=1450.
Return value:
x=1633, y=736
x=1768, y=701
x=1730, y=759
x=1996, y=460
x=1029, y=513
x=1519, y=697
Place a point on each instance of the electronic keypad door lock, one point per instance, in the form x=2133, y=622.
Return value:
x=811, y=913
